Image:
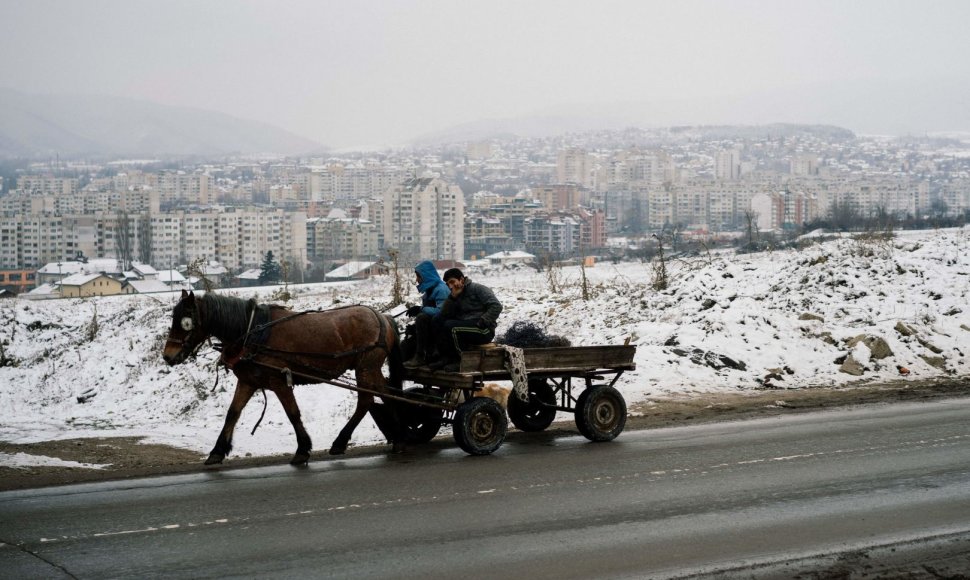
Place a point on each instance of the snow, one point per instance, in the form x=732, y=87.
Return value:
x=350, y=269
x=22, y=460
x=784, y=318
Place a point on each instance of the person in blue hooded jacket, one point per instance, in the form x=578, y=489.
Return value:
x=434, y=292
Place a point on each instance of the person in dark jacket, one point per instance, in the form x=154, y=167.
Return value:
x=468, y=317
x=434, y=292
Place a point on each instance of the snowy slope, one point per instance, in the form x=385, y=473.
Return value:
x=784, y=319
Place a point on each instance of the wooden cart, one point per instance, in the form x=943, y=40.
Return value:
x=480, y=424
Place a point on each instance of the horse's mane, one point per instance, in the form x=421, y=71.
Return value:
x=229, y=316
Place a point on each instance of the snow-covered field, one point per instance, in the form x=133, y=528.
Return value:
x=784, y=319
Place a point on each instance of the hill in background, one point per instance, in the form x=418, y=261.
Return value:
x=98, y=126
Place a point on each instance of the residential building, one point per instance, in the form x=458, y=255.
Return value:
x=559, y=197
x=424, y=219
x=486, y=235
x=559, y=235
x=573, y=166
x=85, y=285
x=727, y=164
x=47, y=184
x=337, y=238
x=18, y=281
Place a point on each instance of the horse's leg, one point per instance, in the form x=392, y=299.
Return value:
x=303, y=443
x=244, y=392
x=339, y=445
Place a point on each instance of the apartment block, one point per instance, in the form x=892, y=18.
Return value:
x=727, y=164
x=181, y=188
x=424, y=219
x=777, y=210
x=236, y=238
x=339, y=181
x=804, y=165
x=573, y=166
x=341, y=238
x=559, y=235
x=43, y=184
x=560, y=197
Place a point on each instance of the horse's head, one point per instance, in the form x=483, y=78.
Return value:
x=188, y=330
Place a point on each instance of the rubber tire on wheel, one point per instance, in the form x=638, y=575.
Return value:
x=480, y=425
x=600, y=413
x=421, y=424
x=532, y=416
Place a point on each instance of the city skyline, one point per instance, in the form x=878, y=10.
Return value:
x=352, y=75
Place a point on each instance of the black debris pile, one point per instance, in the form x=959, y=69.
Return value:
x=525, y=334
x=711, y=359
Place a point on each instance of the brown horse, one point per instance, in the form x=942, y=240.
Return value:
x=272, y=347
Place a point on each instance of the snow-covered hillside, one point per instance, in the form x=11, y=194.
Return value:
x=832, y=313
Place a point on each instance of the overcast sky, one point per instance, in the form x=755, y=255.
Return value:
x=355, y=73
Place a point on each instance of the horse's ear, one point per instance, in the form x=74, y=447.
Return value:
x=184, y=294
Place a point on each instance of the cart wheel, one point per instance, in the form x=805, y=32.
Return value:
x=421, y=424
x=480, y=426
x=600, y=413
x=534, y=415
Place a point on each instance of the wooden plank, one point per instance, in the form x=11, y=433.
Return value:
x=573, y=358
x=489, y=364
x=441, y=379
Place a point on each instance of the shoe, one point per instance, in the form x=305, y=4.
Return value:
x=438, y=364
x=415, y=362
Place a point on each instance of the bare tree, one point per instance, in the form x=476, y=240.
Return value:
x=661, y=279
x=197, y=268
x=749, y=225
x=553, y=273
x=676, y=235
x=397, y=285
x=584, y=281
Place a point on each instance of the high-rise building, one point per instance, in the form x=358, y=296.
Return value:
x=804, y=165
x=727, y=164
x=338, y=237
x=181, y=188
x=46, y=184
x=572, y=166
x=424, y=219
x=558, y=197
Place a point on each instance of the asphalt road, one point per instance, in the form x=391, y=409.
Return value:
x=766, y=495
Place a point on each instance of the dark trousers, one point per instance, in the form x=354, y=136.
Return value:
x=454, y=336
x=422, y=335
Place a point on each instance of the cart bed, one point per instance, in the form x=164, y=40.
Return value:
x=488, y=363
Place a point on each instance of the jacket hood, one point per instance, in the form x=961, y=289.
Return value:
x=429, y=276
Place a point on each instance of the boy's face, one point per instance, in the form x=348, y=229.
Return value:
x=456, y=285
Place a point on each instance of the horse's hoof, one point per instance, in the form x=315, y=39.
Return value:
x=214, y=458
x=337, y=450
x=398, y=448
x=300, y=459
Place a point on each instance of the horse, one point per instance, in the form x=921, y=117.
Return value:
x=271, y=347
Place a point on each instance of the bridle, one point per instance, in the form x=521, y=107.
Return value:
x=191, y=322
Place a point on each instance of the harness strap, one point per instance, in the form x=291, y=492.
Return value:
x=250, y=353
x=252, y=315
x=261, y=415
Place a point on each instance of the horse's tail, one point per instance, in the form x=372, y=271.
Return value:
x=395, y=358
